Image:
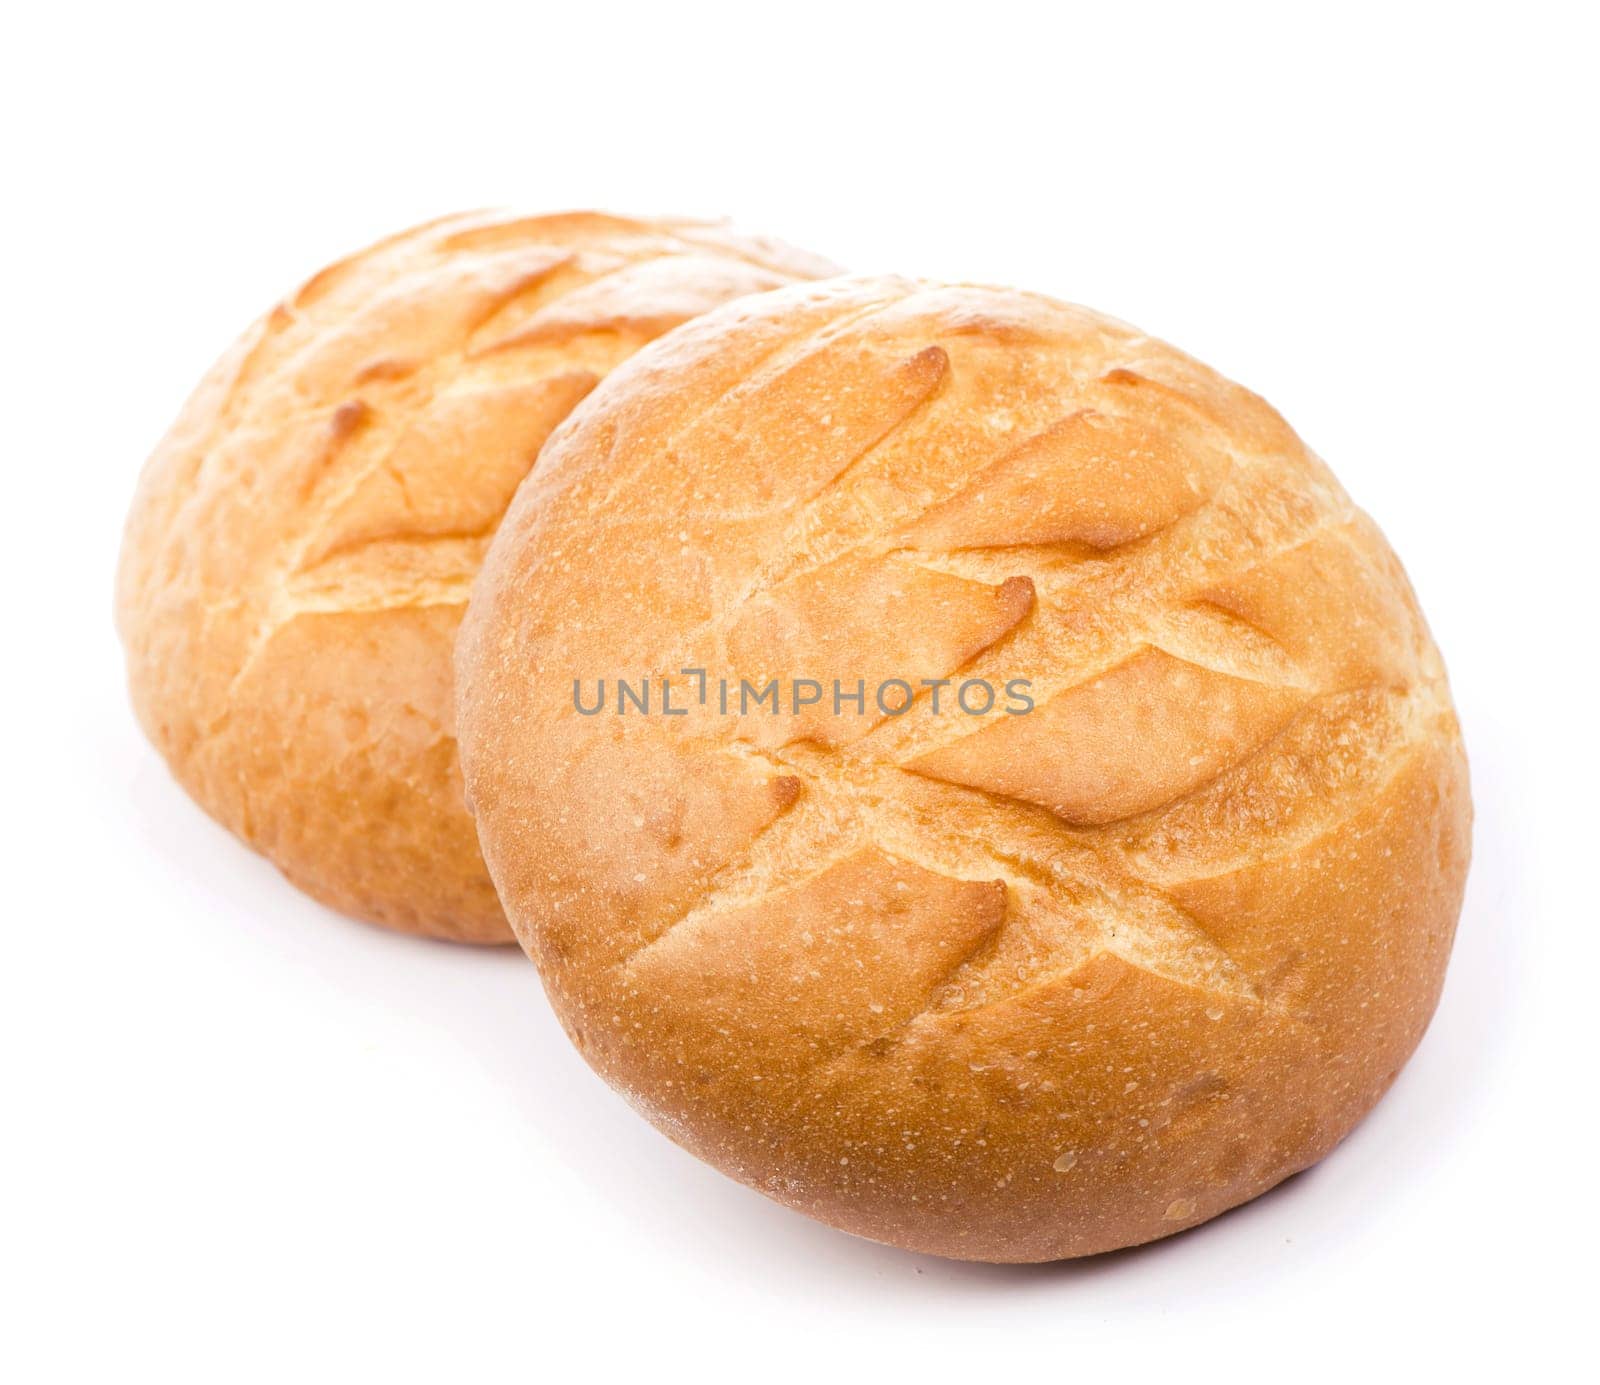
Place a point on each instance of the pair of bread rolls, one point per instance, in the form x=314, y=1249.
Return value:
x=1136, y=921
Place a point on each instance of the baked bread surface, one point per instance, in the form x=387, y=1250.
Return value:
x=301, y=544
x=1011, y=987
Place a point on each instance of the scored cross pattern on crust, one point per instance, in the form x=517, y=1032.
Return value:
x=1153, y=539
x=416, y=416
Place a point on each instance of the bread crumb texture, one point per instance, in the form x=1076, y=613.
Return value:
x=301, y=544
x=1000, y=987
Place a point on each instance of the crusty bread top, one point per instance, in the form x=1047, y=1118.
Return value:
x=1170, y=933
x=303, y=540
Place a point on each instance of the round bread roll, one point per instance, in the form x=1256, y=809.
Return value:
x=300, y=548
x=1008, y=982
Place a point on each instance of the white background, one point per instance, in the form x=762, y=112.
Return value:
x=249, y=1140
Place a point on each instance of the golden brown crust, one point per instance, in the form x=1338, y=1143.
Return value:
x=1004, y=987
x=300, y=548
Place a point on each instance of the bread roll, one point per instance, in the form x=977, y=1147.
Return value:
x=301, y=544
x=1010, y=984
